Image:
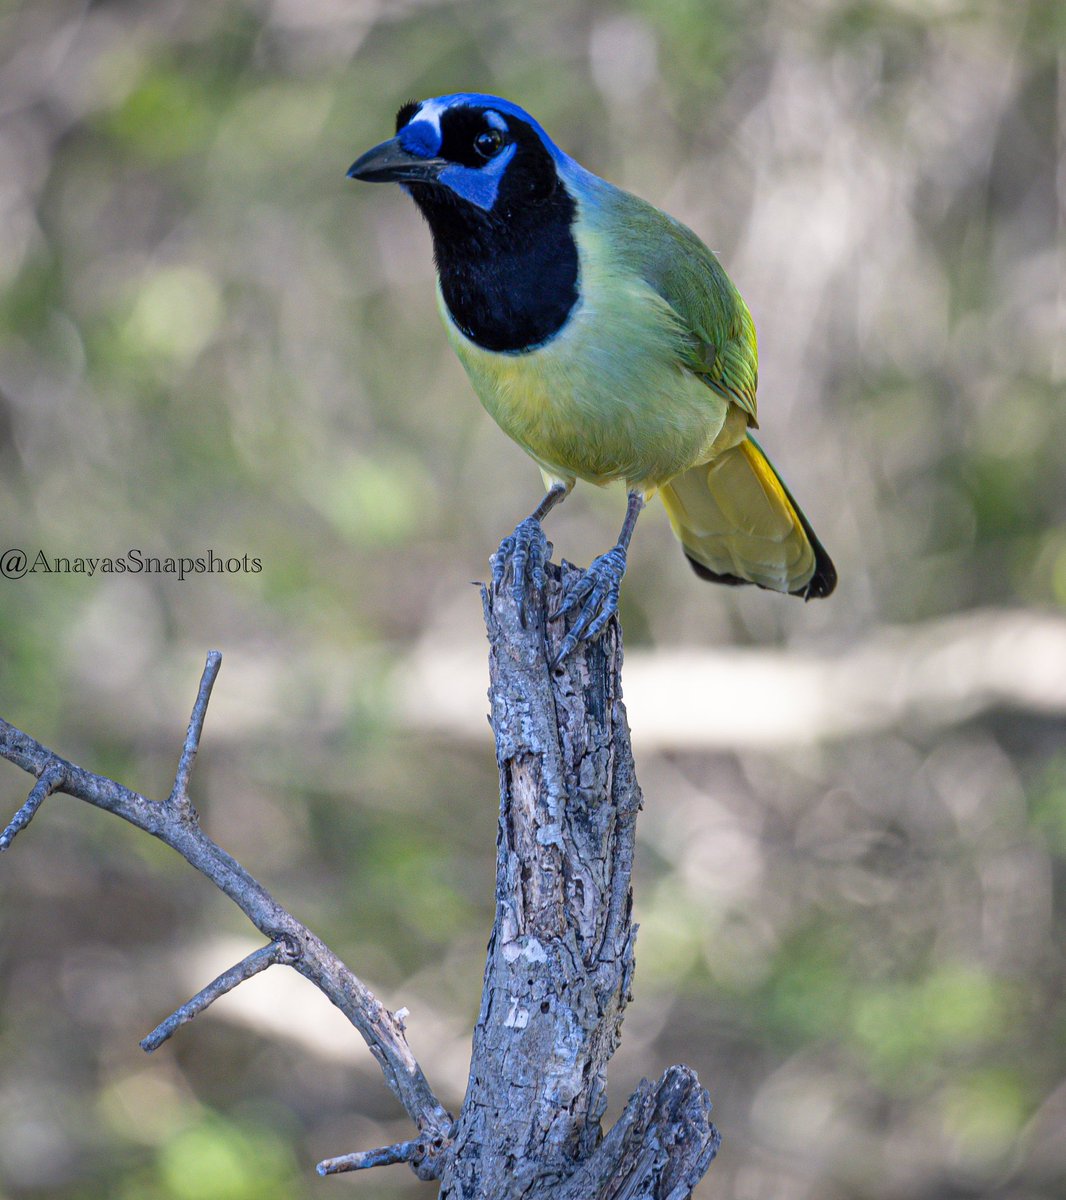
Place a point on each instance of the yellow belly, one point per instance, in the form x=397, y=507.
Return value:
x=599, y=401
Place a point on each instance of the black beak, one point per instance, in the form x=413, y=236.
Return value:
x=391, y=163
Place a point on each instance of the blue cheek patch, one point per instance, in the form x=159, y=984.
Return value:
x=421, y=138
x=479, y=185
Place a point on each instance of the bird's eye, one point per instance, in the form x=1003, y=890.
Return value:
x=488, y=143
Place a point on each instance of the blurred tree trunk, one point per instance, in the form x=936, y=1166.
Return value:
x=560, y=958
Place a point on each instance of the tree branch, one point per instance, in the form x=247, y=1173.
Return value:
x=50, y=780
x=175, y=822
x=362, y=1159
x=560, y=960
x=179, y=794
x=276, y=952
x=661, y=1146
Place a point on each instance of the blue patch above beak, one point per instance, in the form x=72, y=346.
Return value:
x=421, y=138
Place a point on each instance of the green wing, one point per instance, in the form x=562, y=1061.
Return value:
x=721, y=348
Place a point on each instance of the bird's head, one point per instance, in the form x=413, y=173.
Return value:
x=480, y=154
x=497, y=195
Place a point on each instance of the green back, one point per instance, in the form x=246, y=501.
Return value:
x=672, y=259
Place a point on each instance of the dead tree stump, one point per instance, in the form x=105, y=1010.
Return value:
x=560, y=958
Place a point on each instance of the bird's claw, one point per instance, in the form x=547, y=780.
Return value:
x=527, y=549
x=596, y=592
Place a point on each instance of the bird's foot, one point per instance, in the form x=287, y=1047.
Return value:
x=596, y=592
x=528, y=550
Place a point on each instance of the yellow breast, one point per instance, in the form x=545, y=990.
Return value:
x=606, y=398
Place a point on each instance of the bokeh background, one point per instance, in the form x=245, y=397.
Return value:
x=851, y=865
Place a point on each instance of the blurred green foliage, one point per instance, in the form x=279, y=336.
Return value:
x=209, y=340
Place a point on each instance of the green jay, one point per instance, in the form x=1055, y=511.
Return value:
x=606, y=339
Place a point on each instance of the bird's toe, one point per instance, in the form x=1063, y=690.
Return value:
x=527, y=550
x=595, y=592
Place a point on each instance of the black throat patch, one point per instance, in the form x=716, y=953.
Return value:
x=508, y=275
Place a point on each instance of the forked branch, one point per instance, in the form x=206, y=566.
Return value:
x=561, y=954
x=175, y=822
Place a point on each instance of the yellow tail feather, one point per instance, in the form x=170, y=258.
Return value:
x=739, y=524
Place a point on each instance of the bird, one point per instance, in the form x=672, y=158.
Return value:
x=604, y=338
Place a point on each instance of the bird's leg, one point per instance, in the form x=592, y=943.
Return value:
x=528, y=549
x=596, y=590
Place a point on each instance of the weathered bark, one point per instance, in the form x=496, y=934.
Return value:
x=176, y=823
x=560, y=958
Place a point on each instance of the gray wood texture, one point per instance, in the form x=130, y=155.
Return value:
x=561, y=955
